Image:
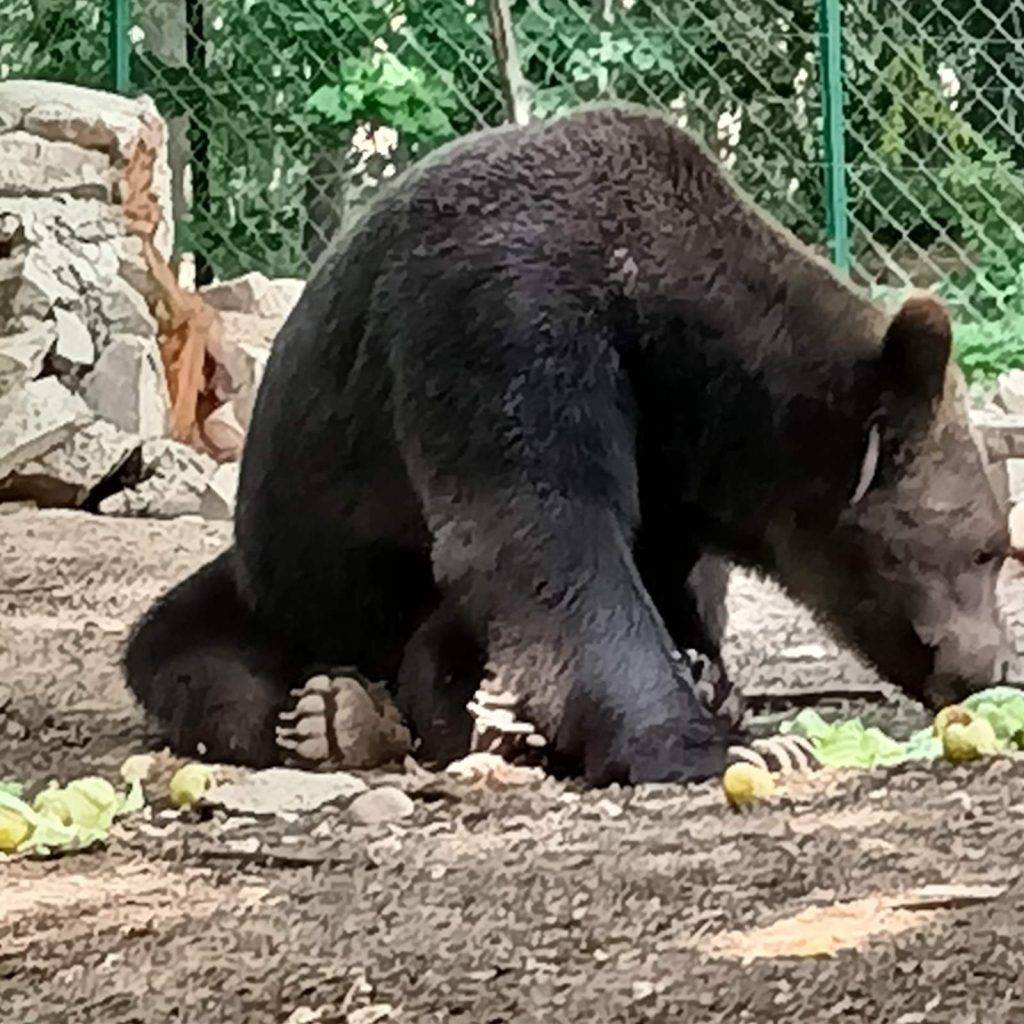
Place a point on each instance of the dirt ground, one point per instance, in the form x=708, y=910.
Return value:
x=543, y=903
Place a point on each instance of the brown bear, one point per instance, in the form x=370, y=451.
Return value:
x=526, y=404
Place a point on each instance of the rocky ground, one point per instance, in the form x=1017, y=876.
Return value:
x=537, y=903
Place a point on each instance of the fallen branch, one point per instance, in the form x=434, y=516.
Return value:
x=187, y=325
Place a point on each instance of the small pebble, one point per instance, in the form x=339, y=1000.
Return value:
x=249, y=845
x=380, y=806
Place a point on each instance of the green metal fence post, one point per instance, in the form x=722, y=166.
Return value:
x=834, y=129
x=120, y=16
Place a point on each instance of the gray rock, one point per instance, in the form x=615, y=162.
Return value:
x=91, y=115
x=67, y=257
x=36, y=417
x=242, y=404
x=127, y=386
x=10, y=118
x=95, y=122
x=241, y=352
x=255, y=294
x=30, y=284
x=132, y=266
x=239, y=295
x=11, y=230
x=1015, y=474
x=125, y=310
x=1017, y=530
x=112, y=128
x=284, y=791
x=22, y=353
x=30, y=166
x=380, y=806
x=219, y=500
x=223, y=431
x=66, y=474
x=175, y=480
x=1002, y=436
x=376, y=1013
x=69, y=224
x=1011, y=391
x=74, y=342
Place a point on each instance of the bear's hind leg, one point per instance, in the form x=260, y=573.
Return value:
x=214, y=679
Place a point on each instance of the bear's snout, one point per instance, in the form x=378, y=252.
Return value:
x=973, y=657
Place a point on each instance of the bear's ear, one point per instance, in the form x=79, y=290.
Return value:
x=917, y=348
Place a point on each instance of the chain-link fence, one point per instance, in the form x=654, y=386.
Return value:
x=284, y=114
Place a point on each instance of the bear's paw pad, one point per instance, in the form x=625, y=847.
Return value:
x=341, y=723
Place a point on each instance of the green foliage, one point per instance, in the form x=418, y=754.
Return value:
x=73, y=817
x=851, y=744
x=63, y=41
x=382, y=91
x=286, y=80
x=935, y=172
x=285, y=85
x=987, y=348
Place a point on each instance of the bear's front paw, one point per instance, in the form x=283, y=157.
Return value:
x=497, y=730
x=715, y=691
x=660, y=753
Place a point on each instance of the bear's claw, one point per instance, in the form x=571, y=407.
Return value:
x=714, y=690
x=496, y=729
x=777, y=754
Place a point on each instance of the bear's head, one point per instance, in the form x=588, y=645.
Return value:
x=908, y=575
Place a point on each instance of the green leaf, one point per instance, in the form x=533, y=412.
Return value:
x=643, y=60
x=391, y=98
x=327, y=100
x=808, y=723
x=73, y=817
x=134, y=801
x=851, y=745
x=1003, y=706
x=44, y=831
x=354, y=93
